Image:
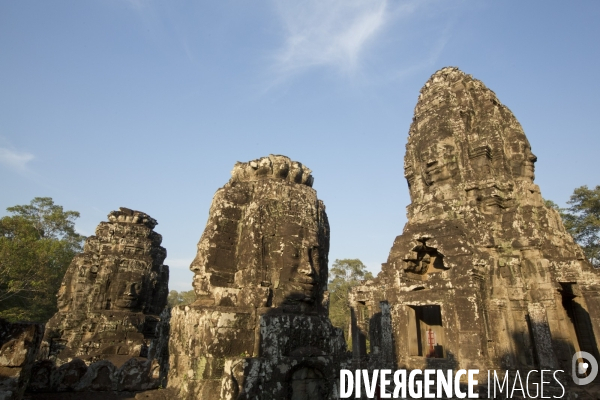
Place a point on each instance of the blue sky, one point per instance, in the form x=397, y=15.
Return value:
x=148, y=104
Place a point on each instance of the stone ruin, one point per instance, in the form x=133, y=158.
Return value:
x=107, y=333
x=18, y=347
x=484, y=274
x=259, y=327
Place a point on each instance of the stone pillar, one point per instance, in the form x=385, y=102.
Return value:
x=387, y=340
x=542, y=340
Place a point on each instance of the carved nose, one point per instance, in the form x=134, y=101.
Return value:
x=306, y=269
x=532, y=157
x=131, y=291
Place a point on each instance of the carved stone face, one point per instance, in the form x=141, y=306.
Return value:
x=438, y=161
x=63, y=299
x=293, y=262
x=523, y=164
x=303, y=264
x=266, y=241
x=129, y=297
x=70, y=294
x=126, y=289
x=200, y=283
x=520, y=158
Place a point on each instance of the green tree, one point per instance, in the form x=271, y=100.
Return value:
x=176, y=298
x=344, y=275
x=551, y=204
x=582, y=220
x=37, y=243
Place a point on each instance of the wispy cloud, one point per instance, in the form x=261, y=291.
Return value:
x=332, y=33
x=432, y=57
x=15, y=159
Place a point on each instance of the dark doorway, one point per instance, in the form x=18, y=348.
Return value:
x=426, y=333
x=579, y=318
x=308, y=384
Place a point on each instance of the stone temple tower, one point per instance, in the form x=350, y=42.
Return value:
x=259, y=328
x=112, y=293
x=484, y=274
x=110, y=332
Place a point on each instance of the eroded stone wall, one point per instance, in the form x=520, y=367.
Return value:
x=19, y=343
x=484, y=274
x=107, y=334
x=259, y=327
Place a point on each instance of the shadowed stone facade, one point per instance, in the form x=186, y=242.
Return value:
x=19, y=343
x=107, y=328
x=259, y=327
x=484, y=274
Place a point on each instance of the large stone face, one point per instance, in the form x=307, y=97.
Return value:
x=110, y=301
x=266, y=241
x=484, y=274
x=120, y=269
x=259, y=326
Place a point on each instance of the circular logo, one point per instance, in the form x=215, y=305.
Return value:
x=583, y=367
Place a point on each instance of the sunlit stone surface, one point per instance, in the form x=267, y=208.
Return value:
x=110, y=304
x=484, y=274
x=259, y=327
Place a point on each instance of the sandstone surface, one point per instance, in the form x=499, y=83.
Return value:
x=107, y=333
x=259, y=327
x=484, y=274
x=19, y=343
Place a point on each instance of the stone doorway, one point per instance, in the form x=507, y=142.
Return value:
x=308, y=384
x=426, y=333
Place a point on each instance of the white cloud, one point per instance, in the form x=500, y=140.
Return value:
x=15, y=159
x=332, y=33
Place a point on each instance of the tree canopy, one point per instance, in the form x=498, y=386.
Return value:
x=343, y=275
x=582, y=220
x=176, y=298
x=37, y=243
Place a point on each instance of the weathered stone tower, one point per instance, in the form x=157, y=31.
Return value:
x=109, y=306
x=259, y=327
x=484, y=274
